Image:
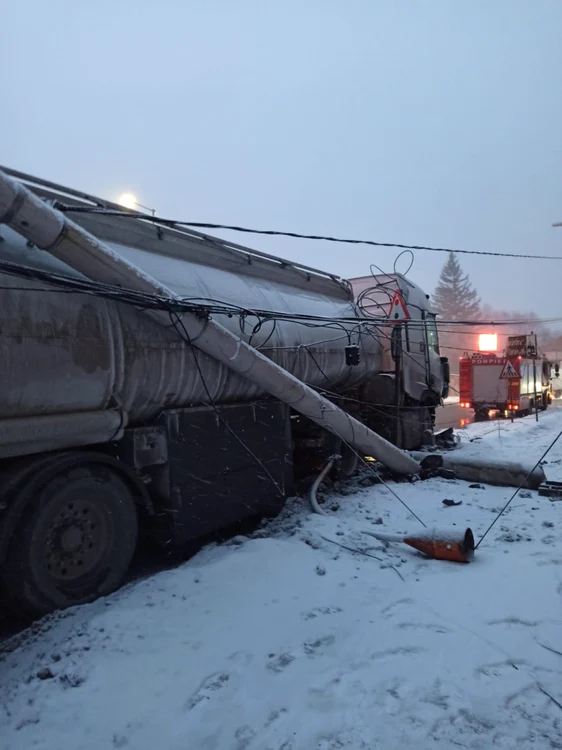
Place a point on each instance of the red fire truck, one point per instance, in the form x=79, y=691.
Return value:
x=499, y=384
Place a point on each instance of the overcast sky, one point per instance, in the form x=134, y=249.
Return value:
x=433, y=122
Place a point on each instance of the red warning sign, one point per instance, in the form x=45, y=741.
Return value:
x=398, y=310
x=509, y=371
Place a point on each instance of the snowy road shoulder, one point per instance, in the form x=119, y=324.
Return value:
x=288, y=642
x=521, y=440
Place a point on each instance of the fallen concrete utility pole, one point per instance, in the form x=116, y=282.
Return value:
x=52, y=231
x=488, y=471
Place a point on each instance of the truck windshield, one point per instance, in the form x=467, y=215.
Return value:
x=432, y=335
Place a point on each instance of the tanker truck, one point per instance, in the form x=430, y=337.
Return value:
x=125, y=422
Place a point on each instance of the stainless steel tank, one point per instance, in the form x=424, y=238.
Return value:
x=67, y=353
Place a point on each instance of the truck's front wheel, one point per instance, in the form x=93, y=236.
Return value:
x=74, y=541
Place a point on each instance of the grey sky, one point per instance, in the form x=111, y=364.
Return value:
x=435, y=122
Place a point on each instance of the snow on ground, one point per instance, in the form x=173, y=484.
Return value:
x=521, y=440
x=288, y=642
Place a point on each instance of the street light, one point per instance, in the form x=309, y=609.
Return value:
x=129, y=200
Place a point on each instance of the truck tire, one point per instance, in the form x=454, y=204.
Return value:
x=74, y=541
x=544, y=402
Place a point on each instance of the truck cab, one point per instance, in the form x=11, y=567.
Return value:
x=414, y=377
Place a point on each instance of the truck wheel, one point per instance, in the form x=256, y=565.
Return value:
x=481, y=415
x=74, y=541
x=544, y=402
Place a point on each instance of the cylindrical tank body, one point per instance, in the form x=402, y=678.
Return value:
x=66, y=352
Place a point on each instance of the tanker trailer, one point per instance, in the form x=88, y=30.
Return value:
x=113, y=421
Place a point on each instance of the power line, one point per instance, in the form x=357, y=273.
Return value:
x=295, y=235
x=71, y=285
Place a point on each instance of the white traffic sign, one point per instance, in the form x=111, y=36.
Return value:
x=398, y=311
x=509, y=371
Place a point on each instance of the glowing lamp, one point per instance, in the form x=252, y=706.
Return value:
x=127, y=200
x=488, y=342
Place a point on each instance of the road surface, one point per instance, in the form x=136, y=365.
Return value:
x=451, y=415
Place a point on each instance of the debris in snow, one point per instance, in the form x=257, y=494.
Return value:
x=476, y=486
x=237, y=541
x=451, y=503
x=320, y=570
x=45, y=674
x=446, y=474
x=509, y=535
x=72, y=679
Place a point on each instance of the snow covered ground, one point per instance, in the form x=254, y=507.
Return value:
x=286, y=641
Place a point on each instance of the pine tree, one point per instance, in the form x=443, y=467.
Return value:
x=454, y=297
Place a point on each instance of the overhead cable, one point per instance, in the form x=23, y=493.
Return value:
x=295, y=235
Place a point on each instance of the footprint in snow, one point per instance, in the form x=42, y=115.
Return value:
x=400, y=651
x=275, y=714
x=500, y=669
x=311, y=648
x=243, y=737
x=424, y=626
x=210, y=685
x=389, y=698
x=388, y=611
x=318, y=611
x=279, y=662
x=514, y=621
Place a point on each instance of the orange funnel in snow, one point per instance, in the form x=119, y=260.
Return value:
x=454, y=546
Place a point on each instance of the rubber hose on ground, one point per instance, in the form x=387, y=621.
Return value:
x=318, y=481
